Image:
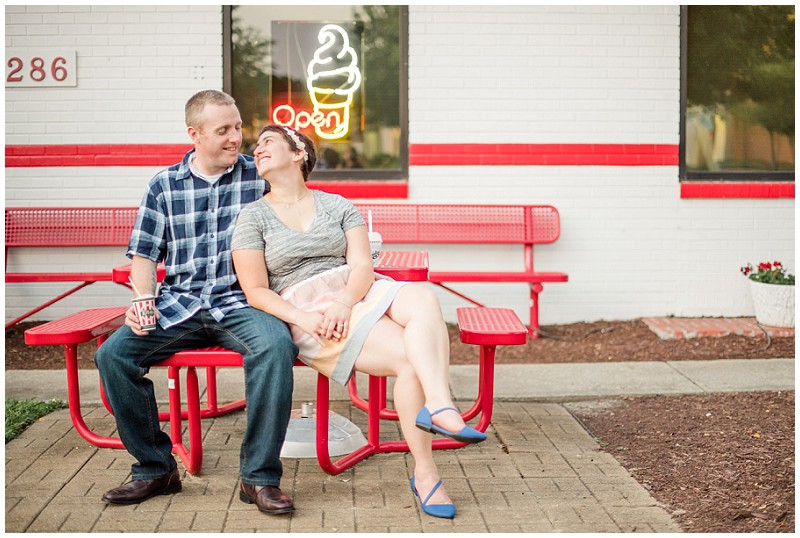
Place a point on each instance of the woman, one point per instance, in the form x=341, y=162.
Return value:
x=304, y=257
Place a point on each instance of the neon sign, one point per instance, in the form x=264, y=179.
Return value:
x=298, y=119
x=333, y=77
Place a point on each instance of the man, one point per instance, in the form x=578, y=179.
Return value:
x=186, y=220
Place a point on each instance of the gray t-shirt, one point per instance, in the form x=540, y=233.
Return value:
x=293, y=256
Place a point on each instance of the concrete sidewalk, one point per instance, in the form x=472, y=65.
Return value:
x=540, y=382
x=539, y=471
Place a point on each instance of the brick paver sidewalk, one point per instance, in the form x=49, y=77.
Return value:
x=539, y=471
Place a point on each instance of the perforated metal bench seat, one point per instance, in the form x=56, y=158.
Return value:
x=77, y=328
x=490, y=327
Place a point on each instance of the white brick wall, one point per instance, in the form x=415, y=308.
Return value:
x=538, y=74
x=630, y=245
x=516, y=74
x=95, y=186
x=134, y=72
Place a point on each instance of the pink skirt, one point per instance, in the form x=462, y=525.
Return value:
x=337, y=359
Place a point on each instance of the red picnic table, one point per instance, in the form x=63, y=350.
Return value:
x=486, y=327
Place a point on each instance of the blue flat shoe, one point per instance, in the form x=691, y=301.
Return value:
x=466, y=435
x=447, y=511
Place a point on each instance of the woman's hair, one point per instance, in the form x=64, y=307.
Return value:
x=297, y=141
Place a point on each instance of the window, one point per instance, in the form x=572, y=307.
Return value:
x=336, y=73
x=737, y=92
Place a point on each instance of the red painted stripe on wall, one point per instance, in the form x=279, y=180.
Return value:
x=166, y=155
x=543, y=154
x=95, y=155
x=419, y=155
x=359, y=188
x=721, y=189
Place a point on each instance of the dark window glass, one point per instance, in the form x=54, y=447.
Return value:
x=737, y=92
x=336, y=73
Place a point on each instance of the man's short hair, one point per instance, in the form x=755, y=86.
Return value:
x=197, y=102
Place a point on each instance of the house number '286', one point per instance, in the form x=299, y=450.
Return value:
x=40, y=68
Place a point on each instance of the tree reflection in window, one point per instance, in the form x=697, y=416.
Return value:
x=272, y=47
x=739, y=88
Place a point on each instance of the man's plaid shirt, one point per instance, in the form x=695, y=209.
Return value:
x=188, y=223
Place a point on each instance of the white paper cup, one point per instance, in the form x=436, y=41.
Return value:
x=375, y=245
x=146, y=311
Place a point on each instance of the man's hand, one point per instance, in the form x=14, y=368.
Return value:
x=132, y=321
x=311, y=323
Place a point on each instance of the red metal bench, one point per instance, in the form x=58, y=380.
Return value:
x=486, y=327
x=525, y=225
x=65, y=227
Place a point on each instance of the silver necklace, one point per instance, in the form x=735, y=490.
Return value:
x=287, y=205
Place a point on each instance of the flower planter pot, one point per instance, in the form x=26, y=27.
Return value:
x=773, y=303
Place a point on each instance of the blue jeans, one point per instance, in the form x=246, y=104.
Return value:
x=266, y=345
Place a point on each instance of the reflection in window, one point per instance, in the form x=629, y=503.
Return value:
x=333, y=72
x=739, y=110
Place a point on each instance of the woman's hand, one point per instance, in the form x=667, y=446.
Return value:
x=336, y=321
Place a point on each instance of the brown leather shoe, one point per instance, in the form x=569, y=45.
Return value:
x=137, y=491
x=268, y=499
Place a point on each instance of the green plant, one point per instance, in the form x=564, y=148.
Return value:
x=769, y=273
x=21, y=413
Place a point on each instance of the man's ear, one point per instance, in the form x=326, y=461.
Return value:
x=193, y=133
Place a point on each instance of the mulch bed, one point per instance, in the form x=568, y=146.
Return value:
x=611, y=341
x=601, y=341
x=719, y=462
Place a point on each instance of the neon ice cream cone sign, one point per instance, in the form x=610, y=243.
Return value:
x=333, y=77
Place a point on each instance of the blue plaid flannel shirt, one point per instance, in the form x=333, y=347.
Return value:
x=188, y=223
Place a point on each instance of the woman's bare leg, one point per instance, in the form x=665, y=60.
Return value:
x=384, y=354
x=427, y=346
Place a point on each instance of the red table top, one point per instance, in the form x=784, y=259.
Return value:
x=121, y=274
x=407, y=266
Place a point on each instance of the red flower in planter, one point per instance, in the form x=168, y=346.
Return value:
x=769, y=273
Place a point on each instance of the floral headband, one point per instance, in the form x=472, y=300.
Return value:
x=296, y=139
